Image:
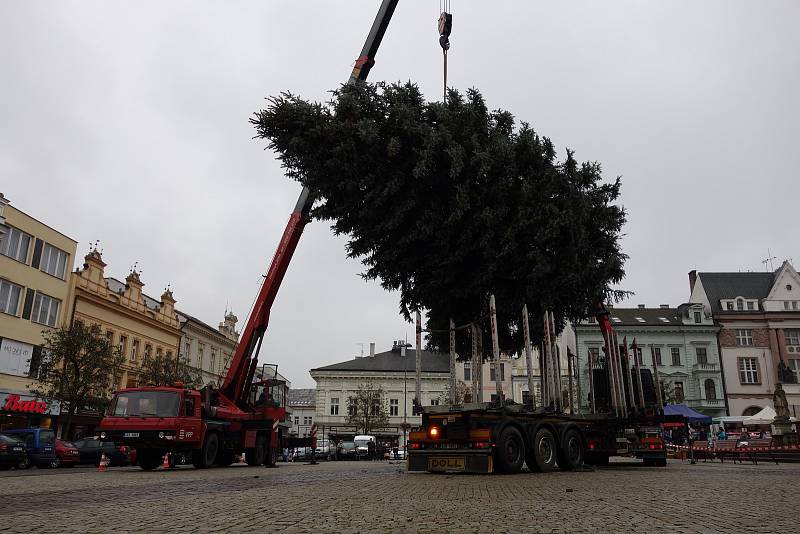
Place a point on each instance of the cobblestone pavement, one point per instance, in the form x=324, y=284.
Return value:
x=382, y=497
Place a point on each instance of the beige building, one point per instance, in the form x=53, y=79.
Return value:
x=208, y=349
x=138, y=324
x=35, y=263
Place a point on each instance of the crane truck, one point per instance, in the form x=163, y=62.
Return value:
x=243, y=415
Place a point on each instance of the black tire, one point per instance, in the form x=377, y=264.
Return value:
x=257, y=455
x=541, y=456
x=55, y=463
x=24, y=464
x=149, y=459
x=570, y=454
x=207, y=455
x=510, y=451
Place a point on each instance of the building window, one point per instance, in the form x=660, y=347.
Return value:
x=434, y=402
x=787, y=305
x=744, y=337
x=739, y=304
x=169, y=354
x=134, y=350
x=394, y=407
x=296, y=420
x=698, y=317
x=147, y=350
x=187, y=351
x=9, y=297
x=657, y=352
x=110, y=336
x=15, y=244
x=638, y=354
x=306, y=420
x=45, y=310
x=54, y=261
x=750, y=305
x=158, y=352
x=200, y=353
x=375, y=407
x=212, y=364
x=711, y=389
x=351, y=406
x=594, y=355
x=792, y=336
x=467, y=370
x=334, y=405
x=748, y=371
x=493, y=373
x=526, y=398
x=679, y=397
x=794, y=365
x=729, y=306
x=702, y=355
x=676, y=355
x=123, y=344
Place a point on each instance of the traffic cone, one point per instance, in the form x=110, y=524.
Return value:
x=165, y=463
x=103, y=462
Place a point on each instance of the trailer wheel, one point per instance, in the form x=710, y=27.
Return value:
x=206, y=456
x=257, y=455
x=542, y=455
x=570, y=456
x=148, y=459
x=510, y=451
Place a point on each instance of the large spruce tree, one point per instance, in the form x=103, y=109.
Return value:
x=450, y=202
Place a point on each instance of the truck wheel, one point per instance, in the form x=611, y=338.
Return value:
x=542, y=456
x=206, y=456
x=510, y=451
x=570, y=456
x=149, y=459
x=258, y=455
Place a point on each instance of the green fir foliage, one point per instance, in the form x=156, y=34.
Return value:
x=450, y=202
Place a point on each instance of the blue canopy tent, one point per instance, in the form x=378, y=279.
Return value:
x=688, y=413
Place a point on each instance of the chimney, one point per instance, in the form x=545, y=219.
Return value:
x=403, y=350
x=692, y=279
x=640, y=306
x=664, y=306
x=372, y=350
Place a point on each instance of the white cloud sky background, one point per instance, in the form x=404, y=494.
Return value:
x=128, y=123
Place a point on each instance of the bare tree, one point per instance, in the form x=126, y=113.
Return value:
x=366, y=409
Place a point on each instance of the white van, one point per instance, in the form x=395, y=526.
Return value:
x=363, y=446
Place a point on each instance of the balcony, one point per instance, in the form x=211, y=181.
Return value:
x=705, y=403
x=705, y=368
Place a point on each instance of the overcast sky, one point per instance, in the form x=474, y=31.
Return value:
x=127, y=122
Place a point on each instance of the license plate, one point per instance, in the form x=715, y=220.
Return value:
x=16, y=449
x=48, y=449
x=446, y=463
x=130, y=435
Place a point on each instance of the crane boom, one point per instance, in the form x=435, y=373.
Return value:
x=240, y=372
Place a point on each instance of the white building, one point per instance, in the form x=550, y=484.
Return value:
x=302, y=406
x=208, y=349
x=394, y=372
x=759, y=318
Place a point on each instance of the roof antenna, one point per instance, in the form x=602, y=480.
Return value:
x=769, y=259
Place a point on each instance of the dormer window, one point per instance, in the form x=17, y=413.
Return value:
x=729, y=306
x=698, y=317
x=739, y=304
x=751, y=305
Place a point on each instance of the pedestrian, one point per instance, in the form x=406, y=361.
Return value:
x=723, y=435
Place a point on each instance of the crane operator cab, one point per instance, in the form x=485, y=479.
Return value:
x=269, y=389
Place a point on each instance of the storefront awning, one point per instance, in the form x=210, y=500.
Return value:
x=684, y=411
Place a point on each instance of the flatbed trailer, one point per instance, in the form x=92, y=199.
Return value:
x=489, y=438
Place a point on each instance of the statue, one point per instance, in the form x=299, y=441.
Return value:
x=785, y=374
x=779, y=402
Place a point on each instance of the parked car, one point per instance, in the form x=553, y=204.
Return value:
x=301, y=453
x=66, y=454
x=12, y=452
x=325, y=450
x=347, y=450
x=40, y=444
x=366, y=446
x=398, y=453
x=91, y=450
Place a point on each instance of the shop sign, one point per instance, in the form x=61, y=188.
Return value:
x=15, y=403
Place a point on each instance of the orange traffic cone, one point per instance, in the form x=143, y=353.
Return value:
x=165, y=463
x=103, y=463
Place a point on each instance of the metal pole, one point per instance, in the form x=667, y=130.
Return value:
x=542, y=378
x=611, y=368
x=659, y=400
x=473, y=330
x=556, y=362
x=591, y=381
x=569, y=382
x=498, y=383
x=628, y=373
x=418, y=375
x=453, y=396
x=479, y=331
x=621, y=388
x=636, y=356
x=526, y=335
x=546, y=396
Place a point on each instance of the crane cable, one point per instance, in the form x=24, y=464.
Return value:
x=445, y=27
